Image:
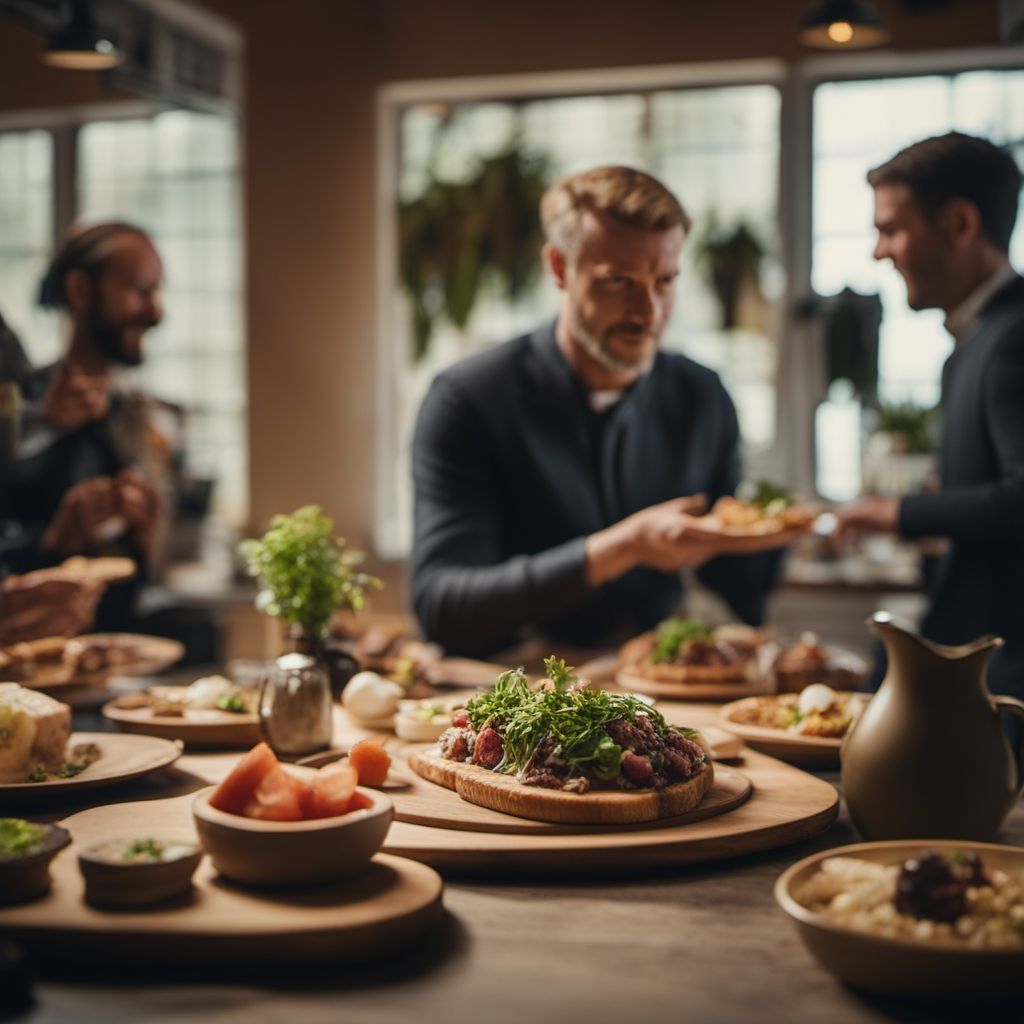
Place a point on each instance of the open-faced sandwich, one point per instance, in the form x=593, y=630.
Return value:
x=769, y=510
x=568, y=753
x=34, y=734
x=687, y=651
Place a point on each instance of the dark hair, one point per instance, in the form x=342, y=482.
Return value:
x=958, y=166
x=86, y=250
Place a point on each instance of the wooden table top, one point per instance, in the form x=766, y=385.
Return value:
x=704, y=944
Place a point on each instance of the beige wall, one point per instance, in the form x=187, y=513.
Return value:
x=312, y=69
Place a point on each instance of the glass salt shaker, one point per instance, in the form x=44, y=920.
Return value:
x=295, y=706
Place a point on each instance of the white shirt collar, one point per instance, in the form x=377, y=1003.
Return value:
x=961, y=321
x=601, y=401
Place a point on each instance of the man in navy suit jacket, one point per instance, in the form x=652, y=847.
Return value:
x=944, y=211
x=556, y=475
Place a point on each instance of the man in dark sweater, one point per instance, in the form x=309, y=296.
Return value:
x=944, y=211
x=556, y=476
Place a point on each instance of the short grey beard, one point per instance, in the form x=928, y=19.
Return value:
x=593, y=348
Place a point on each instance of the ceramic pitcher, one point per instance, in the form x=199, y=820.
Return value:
x=928, y=758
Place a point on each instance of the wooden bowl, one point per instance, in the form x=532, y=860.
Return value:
x=117, y=883
x=26, y=876
x=291, y=853
x=905, y=967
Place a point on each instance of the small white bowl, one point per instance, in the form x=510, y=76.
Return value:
x=291, y=853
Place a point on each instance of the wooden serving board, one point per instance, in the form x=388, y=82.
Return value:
x=786, y=805
x=197, y=728
x=222, y=923
x=438, y=803
x=689, y=691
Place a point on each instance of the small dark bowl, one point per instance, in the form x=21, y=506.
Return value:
x=118, y=884
x=26, y=876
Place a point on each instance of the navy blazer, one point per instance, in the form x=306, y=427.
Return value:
x=512, y=471
x=979, y=584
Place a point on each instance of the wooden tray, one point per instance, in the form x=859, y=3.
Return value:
x=808, y=751
x=786, y=805
x=210, y=729
x=423, y=802
x=689, y=691
x=222, y=924
x=122, y=757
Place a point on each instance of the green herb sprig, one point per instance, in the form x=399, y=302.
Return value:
x=672, y=634
x=307, y=574
x=575, y=719
x=18, y=836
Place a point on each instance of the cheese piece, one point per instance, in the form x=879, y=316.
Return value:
x=52, y=722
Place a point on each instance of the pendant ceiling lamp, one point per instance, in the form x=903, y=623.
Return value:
x=843, y=25
x=81, y=45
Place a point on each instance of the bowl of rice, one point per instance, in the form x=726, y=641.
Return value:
x=934, y=919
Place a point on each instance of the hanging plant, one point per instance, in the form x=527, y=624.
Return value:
x=731, y=260
x=457, y=235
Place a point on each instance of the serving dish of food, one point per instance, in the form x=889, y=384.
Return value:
x=39, y=752
x=567, y=753
x=684, y=659
x=805, y=728
x=938, y=919
x=90, y=658
x=810, y=661
x=137, y=871
x=211, y=712
x=769, y=518
x=26, y=849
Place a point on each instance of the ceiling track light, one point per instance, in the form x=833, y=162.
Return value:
x=843, y=25
x=82, y=45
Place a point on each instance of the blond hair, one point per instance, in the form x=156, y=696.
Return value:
x=622, y=193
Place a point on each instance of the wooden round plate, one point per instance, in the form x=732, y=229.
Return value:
x=806, y=751
x=220, y=923
x=121, y=757
x=433, y=799
x=785, y=806
x=197, y=728
x=153, y=654
x=730, y=690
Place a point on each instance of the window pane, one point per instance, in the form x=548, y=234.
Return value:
x=26, y=234
x=176, y=174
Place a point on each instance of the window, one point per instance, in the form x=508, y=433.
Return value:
x=26, y=231
x=857, y=125
x=716, y=147
x=176, y=174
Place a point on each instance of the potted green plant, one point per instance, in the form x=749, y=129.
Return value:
x=306, y=575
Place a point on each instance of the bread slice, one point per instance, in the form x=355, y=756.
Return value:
x=27, y=713
x=505, y=793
